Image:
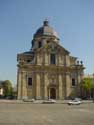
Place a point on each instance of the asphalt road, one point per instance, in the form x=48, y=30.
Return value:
x=46, y=114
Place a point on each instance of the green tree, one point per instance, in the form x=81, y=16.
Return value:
x=87, y=85
x=7, y=86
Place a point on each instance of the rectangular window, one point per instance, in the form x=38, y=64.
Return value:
x=53, y=59
x=28, y=60
x=73, y=82
x=40, y=44
x=29, y=81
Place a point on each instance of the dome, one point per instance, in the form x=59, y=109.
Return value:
x=45, y=30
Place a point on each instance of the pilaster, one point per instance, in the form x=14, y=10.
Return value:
x=45, y=86
x=19, y=85
x=24, y=85
x=38, y=96
x=68, y=85
x=67, y=60
x=78, y=84
x=46, y=58
x=60, y=86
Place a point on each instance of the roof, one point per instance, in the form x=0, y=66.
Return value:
x=45, y=30
x=27, y=52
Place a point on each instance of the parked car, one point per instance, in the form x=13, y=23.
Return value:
x=78, y=99
x=29, y=100
x=74, y=102
x=50, y=101
x=11, y=97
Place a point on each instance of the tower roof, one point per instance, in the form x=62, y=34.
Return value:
x=45, y=30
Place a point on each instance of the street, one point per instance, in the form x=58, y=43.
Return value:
x=46, y=114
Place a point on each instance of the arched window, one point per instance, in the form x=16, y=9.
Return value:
x=53, y=59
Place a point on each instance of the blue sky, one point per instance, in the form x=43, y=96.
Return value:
x=73, y=20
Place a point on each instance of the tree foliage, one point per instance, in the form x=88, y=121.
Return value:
x=7, y=86
x=87, y=85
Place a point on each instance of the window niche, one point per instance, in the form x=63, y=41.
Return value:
x=39, y=44
x=53, y=58
x=73, y=82
x=29, y=81
x=28, y=61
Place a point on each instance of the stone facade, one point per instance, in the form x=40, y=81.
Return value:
x=48, y=70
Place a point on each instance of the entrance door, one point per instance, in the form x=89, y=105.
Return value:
x=52, y=93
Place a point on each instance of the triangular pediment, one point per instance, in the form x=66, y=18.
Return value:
x=53, y=47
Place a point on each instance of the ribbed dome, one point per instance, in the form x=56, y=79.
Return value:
x=45, y=30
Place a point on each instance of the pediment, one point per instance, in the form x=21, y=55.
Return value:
x=53, y=47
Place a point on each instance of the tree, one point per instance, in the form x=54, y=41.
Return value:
x=87, y=85
x=7, y=86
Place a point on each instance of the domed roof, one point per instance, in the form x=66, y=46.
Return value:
x=45, y=30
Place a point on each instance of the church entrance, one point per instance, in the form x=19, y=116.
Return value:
x=52, y=93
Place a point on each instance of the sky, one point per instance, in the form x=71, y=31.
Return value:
x=73, y=20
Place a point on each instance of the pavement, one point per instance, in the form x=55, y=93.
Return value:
x=17, y=112
x=40, y=101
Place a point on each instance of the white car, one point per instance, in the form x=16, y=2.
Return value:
x=74, y=102
x=50, y=101
x=78, y=99
x=29, y=100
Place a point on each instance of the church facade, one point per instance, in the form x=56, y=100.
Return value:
x=48, y=70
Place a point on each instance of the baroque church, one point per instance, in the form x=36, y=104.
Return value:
x=47, y=70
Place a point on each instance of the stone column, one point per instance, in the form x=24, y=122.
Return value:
x=38, y=86
x=57, y=59
x=67, y=60
x=60, y=86
x=33, y=84
x=79, y=78
x=78, y=84
x=24, y=85
x=64, y=86
x=42, y=85
x=19, y=85
x=46, y=58
x=45, y=86
x=60, y=59
x=39, y=59
x=68, y=85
